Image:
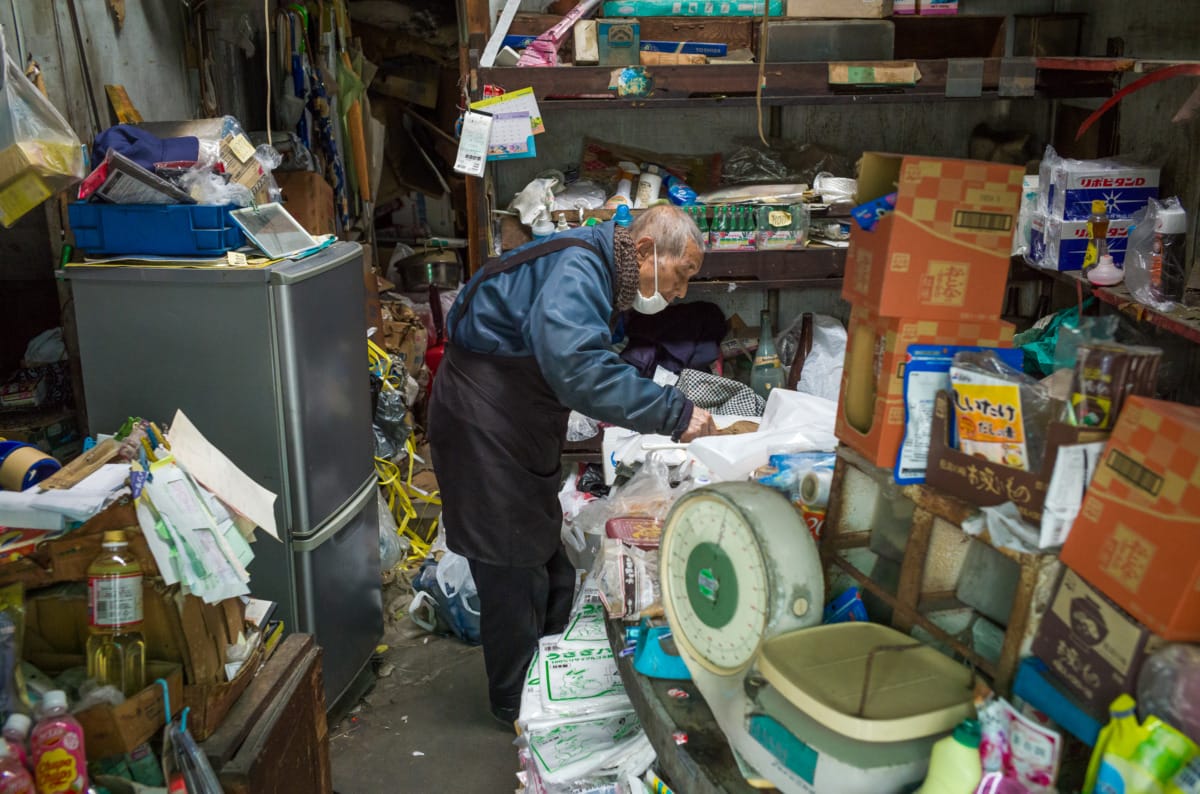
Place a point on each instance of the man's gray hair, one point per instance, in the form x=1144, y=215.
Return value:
x=670, y=228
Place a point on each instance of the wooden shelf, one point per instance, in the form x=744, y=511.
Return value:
x=814, y=268
x=579, y=87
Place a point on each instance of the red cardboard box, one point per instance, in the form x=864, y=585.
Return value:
x=1137, y=536
x=943, y=253
x=870, y=414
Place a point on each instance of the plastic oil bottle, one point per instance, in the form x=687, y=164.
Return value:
x=116, y=650
x=767, y=373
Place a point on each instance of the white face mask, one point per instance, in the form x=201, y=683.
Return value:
x=656, y=302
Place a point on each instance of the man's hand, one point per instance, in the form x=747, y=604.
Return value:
x=701, y=425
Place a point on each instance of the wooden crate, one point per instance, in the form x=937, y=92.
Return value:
x=864, y=501
x=275, y=739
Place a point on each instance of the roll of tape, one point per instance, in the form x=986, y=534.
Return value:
x=814, y=487
x=23, y=465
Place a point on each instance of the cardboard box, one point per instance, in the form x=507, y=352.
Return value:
x=618, y=42
x=1062, y=245
x=732, y=32
x=1137, y=536
x=902, y=7
x=984, y=483
x=839, y=9
x=870, y=415
x=714, y=50
x=689, y=8
x=54, y=431
x=1093, y=648
x=671, y=59
x=309, y=199
x=935, y=7
x=943, y=254
x=1069, y=188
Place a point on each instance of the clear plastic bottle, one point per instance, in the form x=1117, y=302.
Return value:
x=59, y=759
x=14, y=777
x=767, y=372
x=16, y=733
x=116, y=649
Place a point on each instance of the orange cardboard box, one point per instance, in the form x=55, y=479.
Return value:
x=870, y=414
x=1137, y=536
x=943, y=254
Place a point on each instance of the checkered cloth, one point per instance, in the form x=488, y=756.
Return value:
x=719, y=395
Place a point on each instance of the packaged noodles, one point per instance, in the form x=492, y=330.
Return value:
x=1001, y=413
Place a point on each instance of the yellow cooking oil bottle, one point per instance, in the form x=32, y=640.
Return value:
x=116, y=650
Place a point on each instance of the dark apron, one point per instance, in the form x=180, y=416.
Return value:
x=496, y=431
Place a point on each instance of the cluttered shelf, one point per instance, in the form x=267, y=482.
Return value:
x=581, y=87
x=814, y=267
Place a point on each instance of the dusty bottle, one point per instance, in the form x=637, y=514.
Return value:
x=14, y=777
x=955, y=767
x=16, y=733
x=59, y=759
x=767, y=373
x=116, y=650
x=1097, y=229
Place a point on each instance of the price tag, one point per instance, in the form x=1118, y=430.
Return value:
x=241, y=147
x=235, y=259
x=473, y=145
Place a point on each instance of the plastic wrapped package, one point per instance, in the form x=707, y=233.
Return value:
x=580, y=195
x=1155, y=263
x=1169, y=688
x=581, y=428
x=391, y=548
x=755, y=164
x=1001, y=414
x=1066, y=187
x=39, y=152
x=1105, y=376
x=627, y=577
x=1018, y=747
x=774, y=193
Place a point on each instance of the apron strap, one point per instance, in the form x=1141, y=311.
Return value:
x=502, y=264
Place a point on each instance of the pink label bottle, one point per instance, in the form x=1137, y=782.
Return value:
x=56, y=748
x=16, y=733
x=14, y=777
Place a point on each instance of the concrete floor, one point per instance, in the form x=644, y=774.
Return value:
x=425, y=727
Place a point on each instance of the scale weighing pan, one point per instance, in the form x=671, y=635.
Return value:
x=868, y=681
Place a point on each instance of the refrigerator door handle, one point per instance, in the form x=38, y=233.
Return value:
x=338, y=521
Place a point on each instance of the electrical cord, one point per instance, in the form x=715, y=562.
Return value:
x=267, y=36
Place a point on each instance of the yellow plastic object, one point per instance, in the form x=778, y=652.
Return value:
x=911, y=690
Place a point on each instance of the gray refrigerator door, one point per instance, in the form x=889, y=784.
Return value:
x=317, y=308
x=338, y=589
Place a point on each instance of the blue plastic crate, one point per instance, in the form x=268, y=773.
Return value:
x=154, y=229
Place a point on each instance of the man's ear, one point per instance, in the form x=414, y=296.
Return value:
x=644, y=247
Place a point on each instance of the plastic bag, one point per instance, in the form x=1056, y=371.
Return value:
x=208, y=187
x=1002, y=414
x=822, y=370
x=446, y=589
x=1019, y=747
x=391, y=548
x=1169, y=687
x=1155, y=263
x=581, y=195
x=581, y=428
x=41, y=153
x=390, y=414
x=627, y=577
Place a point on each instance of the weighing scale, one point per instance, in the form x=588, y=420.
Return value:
x=850, y=708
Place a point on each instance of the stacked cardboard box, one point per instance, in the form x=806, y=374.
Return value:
x=933, y=271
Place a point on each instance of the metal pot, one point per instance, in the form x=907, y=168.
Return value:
x=437, y=268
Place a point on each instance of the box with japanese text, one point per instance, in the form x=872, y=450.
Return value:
x=870, y=414
x=1137, y=536
x=1093, y=648
x=943, y=252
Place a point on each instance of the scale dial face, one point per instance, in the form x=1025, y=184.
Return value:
x=715, y=585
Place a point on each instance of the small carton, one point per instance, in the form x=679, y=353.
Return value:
x=691, y=8
x=839, y=9
x=1093, y=648
x=870, y=415
x=904, y=7
x=1070, y=186
x=935, y=7
x=986, y=483
x=1061, y=245
x=618, y=42
x=1137, y=535
x=943, y=253
x=874, y=73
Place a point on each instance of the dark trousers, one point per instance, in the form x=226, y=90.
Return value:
x=517, y=607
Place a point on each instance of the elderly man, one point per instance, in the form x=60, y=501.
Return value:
x=530, y=339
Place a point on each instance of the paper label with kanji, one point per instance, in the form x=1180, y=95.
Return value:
x=989, y=420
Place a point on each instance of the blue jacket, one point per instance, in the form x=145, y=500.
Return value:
x=557, y=308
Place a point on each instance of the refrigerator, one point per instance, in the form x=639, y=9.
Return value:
x=270, y=365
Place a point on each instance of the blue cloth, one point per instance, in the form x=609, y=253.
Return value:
x=145, y=149
x=558, y=309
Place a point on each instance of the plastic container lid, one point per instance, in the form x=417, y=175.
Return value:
x=18, y=722
x=623, y=217
x=114, y=537
x=543, y=226
x=1172, y=220
x=967, y=733
x=913, y=690
x=1099, y=207
x=54, y=699
x=1105, y=273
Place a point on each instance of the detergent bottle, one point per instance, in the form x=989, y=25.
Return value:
x=1121, y=736
x=955, y=767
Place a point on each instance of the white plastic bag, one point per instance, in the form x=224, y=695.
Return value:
x=454, y=577
x=1146, y=263
x=41, y=153
x=822, y=368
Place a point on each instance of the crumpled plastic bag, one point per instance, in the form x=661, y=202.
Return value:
x=581, y=428
x=1140, y=255
x=1169, y=687
x=822, y=371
